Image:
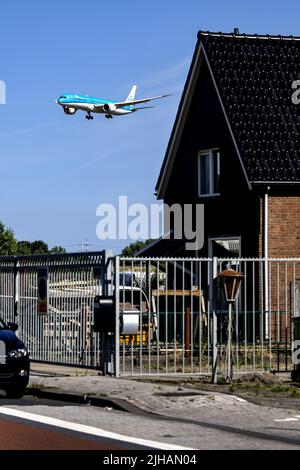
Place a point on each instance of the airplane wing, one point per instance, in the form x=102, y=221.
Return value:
x=122, y=104
x=142, y=107
x=144, y=100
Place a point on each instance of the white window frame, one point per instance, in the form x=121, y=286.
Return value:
x=210, y=153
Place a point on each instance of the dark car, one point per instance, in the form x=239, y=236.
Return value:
x=14, y=362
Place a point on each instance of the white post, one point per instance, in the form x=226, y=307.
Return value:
x=266, y=264
x=117, y=305
x=229, y=339
x=214, y=323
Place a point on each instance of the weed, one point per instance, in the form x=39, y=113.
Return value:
x=221, y=380
x=280, y=388
x=295, y=393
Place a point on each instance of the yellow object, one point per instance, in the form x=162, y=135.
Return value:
x=136, y=339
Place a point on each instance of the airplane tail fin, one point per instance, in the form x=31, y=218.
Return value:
x=131, y=95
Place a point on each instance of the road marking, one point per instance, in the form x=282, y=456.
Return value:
x=286, y=419
x=89, y=429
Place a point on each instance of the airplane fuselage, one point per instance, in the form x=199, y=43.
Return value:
x=90, y=104
x=71, y=103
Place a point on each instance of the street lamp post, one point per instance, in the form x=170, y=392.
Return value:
x=231, y=281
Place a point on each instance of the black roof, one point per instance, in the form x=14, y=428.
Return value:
x=254, y=75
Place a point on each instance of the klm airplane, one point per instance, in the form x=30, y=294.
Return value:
x=71, y=103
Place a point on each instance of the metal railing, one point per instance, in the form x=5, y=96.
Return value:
x=183, y=319
x=64, y=334
x=175, y=316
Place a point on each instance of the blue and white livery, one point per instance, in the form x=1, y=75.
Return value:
x=71, y=103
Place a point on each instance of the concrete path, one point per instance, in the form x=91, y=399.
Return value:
x=176, y=402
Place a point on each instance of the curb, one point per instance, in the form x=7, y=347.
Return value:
x=115, y=403
x=123, y=405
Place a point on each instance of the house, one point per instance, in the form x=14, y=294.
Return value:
x=235, y=144
x=235, y=147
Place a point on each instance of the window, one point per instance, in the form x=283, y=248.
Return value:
x=226, y=247
x=209, y=172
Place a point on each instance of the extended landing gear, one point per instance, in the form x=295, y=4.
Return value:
x=108, y=116
x=88, y=116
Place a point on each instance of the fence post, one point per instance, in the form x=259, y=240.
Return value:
x=107, y=338
x=16, y=288
x=214, y=321
x=266, y=264
x=117, y=304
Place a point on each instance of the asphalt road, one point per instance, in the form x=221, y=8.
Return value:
x=17, y=435
x=35, y=423
x=25, y=434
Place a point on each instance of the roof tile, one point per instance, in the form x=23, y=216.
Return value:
x=254, y=76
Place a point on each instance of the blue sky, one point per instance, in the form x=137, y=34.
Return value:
x=57, y=169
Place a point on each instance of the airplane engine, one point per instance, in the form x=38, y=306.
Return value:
x=68, y=110
x=109, y=108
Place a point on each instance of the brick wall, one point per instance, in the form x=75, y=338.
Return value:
x=284, y=242
x=284, y=226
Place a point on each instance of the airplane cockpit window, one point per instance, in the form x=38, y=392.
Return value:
x=63, y=97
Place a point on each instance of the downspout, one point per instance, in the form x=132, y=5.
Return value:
x=266, y=263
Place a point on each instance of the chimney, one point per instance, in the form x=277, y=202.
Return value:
x=236, y=31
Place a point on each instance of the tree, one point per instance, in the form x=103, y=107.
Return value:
x=58, y=249
x=130, y=250
x=9, y=245
x=23, y=248
x=38, y=247
x=8, y=242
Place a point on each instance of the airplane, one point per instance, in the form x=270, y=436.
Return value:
x=71, y=103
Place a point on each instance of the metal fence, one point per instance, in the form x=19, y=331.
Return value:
x=183, y=318
x=64, y=334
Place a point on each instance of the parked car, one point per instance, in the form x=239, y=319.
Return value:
x=14, y=362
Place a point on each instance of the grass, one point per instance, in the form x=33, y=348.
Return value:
x=284, y=390
x=259, y=389
x=221, y=380
x=295, y=393
x=264, y=386
x=280, y=388
x=289, y=390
